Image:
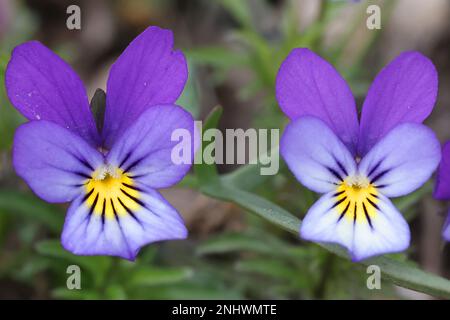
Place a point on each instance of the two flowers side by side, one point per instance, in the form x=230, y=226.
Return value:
x=111, y=176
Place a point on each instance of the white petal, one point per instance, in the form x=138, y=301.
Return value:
x=385, y=231
x=89, y=233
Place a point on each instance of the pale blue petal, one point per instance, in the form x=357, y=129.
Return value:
x=403, y=160
x=315, y=155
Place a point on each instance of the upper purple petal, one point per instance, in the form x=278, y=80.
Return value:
x=306, y=84
x=315, y=155
x=147, y=73
x=404, y=91
x=403, y=160
x=145, y=150
x=53, y=160
x=44, y=87
x=442, y=188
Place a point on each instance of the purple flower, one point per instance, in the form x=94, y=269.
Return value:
x=109, y=176
x=442, y=188
x=358, y=164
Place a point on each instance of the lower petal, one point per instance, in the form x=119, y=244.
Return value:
x=365, y=228
x=98, y=225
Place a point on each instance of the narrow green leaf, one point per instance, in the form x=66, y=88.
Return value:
x=237, y=242
x=256, y=204
x=207, y=173
x=249, y=176
x=189, y=99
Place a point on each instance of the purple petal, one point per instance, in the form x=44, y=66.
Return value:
x=145, y=150
x=315, y=155
x=43, y=87
x=306, y=84
x=54, y=161
x=403, y=160
x=387, y=231
x=107, y=228
x=404, y=91
x=442, y=188
x=147, y=73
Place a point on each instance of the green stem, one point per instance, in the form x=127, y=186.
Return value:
x=327, y=268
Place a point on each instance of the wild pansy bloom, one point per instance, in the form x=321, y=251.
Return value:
x=358, y=164
x=442, y=188
x=110, y=175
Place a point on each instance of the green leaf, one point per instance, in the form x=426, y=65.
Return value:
x=400, y=273
x=189, y=99
x=217, y=57
x=4, y=57
x=239, y=10
x=151, y=276
x=255, y=204
x=207, y=173
x=237, y=242
x=262, y=59
x=10, y=118
x=247, y=177
x=97, y=266
x=27, y=205
x=115, y=292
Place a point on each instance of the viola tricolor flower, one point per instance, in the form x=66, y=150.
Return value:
x=110, y=175
x=442, y=188
x=358, y=164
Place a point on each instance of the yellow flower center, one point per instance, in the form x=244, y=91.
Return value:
x=356, y=199
x=110, y=193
